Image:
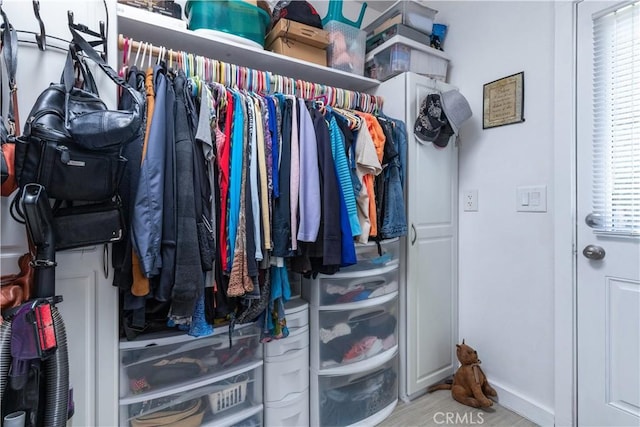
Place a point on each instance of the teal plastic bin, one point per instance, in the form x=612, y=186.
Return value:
x=234, y=17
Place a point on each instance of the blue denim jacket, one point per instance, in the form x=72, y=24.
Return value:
x=394, y=220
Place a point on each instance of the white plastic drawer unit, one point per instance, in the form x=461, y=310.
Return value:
x=352, y=286
x=297, y=340
x=292, y=411
x=222, y=401
x=286, y=374
x=296, y=313
x=355, y=335
x=348, y=399
x=371, y=256
x=157, y=366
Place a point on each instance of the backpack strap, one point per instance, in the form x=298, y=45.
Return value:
x=10, y=56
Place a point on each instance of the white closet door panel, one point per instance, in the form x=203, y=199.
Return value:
x=430, y=324
x=431, y=257
x=88, y=310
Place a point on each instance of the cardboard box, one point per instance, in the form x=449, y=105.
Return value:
x=296, y=49
x=293, y=30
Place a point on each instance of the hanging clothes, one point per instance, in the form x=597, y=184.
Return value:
x=234, y=189
x=310, y=203
x=188, y=277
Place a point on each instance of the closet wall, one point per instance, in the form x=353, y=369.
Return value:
x=506, y=264
x=89, y=308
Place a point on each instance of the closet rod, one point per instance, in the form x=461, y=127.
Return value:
x=247, y=78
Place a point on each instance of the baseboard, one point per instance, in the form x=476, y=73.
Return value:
x=522, y=406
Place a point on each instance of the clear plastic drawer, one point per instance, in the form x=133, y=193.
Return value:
x=347, y=337
x=154, y=366
x=371, y=256
x=347, y=399
x=228, y=397
x=353, y=287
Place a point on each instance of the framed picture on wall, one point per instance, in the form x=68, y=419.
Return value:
x=503, y=101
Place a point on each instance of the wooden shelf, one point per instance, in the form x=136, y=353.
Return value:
x=130, y=24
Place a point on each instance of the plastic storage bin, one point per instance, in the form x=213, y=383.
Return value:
x=286, y=374
x=369, y=257
x=349, y=399
x=293, y=411
x=156, y=368
x=397, y=30
x=346, y=337
x=409, y=13
x=219, y=401
x=346, y=49
x=236, y=18
x=401, y=54
x=296, y=313
x=352, y=287
x=298, y=339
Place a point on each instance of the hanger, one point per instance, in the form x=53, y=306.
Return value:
x=135, y=61
x=144, y=54
x=126, y=46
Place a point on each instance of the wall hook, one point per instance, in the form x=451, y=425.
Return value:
x=102, y=35
x=41, y=38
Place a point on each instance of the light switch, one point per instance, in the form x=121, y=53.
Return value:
x=531, y=198
x=535, y=198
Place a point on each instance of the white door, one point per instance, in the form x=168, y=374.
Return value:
x=431, y=281
x=608, y=183
x=429, y=273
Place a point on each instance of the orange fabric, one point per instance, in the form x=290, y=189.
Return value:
x=368, y=182
x=140, y=286
x=151, y=97
x=377, y=134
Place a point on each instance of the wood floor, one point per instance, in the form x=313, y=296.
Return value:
x=439, y=409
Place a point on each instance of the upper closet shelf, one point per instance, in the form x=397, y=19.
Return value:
x=131, y=25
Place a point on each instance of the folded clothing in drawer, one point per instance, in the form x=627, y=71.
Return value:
x=202, y=402
x=364, y=334
x=360, y=398
x=153, y=368
x=353, y=287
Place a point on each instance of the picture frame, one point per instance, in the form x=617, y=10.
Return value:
x=503, y=101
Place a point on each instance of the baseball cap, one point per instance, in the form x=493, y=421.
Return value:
x=456, y=108
x=432, y=125
x=296, y=10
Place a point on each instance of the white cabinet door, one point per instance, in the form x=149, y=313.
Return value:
x=432, y=251
x=429, y=274
x=89, y=311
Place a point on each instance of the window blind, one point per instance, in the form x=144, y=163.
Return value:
x=616, y=124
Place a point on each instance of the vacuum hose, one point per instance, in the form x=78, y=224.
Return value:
x=57, y=373
x=39, y=220
x=5, y=355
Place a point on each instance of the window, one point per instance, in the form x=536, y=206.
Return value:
x=616, y=132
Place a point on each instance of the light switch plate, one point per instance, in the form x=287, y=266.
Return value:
x=531, y=198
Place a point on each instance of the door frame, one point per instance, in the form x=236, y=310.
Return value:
x=565, y=214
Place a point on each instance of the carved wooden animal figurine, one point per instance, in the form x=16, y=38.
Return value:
x=470, y=386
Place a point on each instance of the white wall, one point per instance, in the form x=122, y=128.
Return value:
x=506, y=293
